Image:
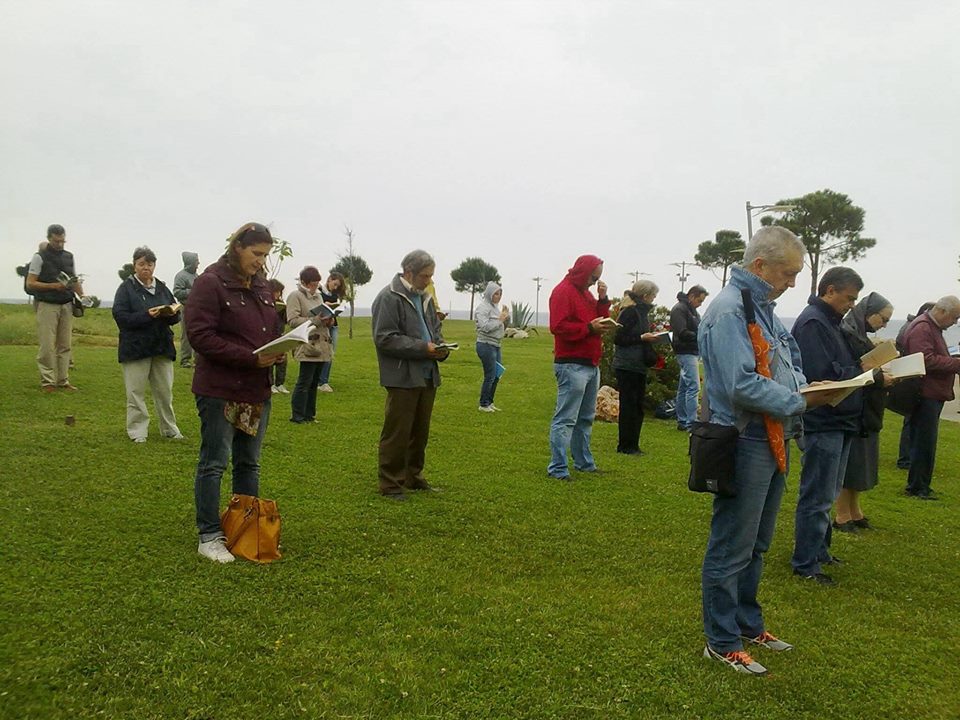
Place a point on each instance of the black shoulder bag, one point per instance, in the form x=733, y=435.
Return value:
x=713, y=448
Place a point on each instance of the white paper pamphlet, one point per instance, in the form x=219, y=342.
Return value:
x=299, y=335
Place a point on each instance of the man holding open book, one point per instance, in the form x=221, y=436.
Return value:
x=925, y=335
x=828, y=431
x=406, y=333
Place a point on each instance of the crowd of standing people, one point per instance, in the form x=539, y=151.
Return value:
x=768, y=383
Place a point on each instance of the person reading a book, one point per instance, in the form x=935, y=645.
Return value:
x=633, y=356
x=406, y=334
x=334, y=290
x=305, y=305
x=925, y=335
x=53, y=281
x=491, y=322
x=144, y=309
x=737, y=395
x=231, y=314
x=871, y=314
x=279, y=371
x=684, y=322
x=828, y=431
x=577, y=321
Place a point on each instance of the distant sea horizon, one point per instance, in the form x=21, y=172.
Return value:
x=952, y=335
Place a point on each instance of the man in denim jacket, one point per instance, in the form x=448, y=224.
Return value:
x=742, y=526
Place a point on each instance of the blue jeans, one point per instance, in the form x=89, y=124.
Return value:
x=489, y=357
x=218, y=441
x=924, y=426
x=740, y=533
x=303, y=401
x=688, y=389
x=572, y=422
x=325, y=370
x=824, y=463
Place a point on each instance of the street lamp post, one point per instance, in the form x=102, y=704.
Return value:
x=751, y=209
x=683, y=271
x=536, y=317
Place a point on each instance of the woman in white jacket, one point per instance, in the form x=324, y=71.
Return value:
x=491, y=322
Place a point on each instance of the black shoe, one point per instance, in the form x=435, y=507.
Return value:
x=636, y=451
x=847, y=527
x=681, y=428
x=832, y=560
x=819, y=578
x=921, y=496
x=903, y=466
x=863, y=524
x=561, y=478
x=399, y=497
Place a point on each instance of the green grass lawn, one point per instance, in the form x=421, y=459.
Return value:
x=507, y=596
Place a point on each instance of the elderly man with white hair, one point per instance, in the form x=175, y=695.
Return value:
x=739, y=396
x=925, y=335
x=406, y=333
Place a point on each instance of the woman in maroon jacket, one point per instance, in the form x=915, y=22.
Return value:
x=231, y=314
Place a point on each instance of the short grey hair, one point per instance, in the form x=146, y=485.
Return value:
x=948, y=304
x=774, y=244
x=644, y=287
x=417, y=260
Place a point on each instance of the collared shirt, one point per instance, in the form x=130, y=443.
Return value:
x=152, y=288
x=737, y=395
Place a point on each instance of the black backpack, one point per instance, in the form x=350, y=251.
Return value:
x=23, y=271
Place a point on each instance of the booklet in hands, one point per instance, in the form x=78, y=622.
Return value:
x=326, y=311
x=299, y=335
x=169, y=310
x=608, y=322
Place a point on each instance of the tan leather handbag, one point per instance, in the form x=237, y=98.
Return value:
x=252, y=527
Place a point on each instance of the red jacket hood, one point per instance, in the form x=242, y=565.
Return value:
x=580, y=273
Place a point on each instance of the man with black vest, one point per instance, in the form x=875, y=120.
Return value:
x=47, y=279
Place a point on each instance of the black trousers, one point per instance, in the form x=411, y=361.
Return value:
x=633, y=388
x=924, y=424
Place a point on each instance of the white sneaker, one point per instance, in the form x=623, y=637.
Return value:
x=274, y=389
x=282, y=390
x=495, y=408
x=487, y=408
x=215, y=550
x=325, y=388
x=139, y=439
x=178, y=436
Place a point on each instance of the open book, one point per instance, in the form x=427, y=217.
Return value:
x=500, y=370
x=325, y=311
x=884, y=352
x=909, y=366
x=299, y=335
x=168, y=310
x=447, y=346
x=609, y=322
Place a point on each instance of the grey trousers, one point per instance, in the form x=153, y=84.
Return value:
x=157, y=372
x=54, y=325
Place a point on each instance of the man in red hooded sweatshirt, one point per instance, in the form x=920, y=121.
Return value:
x=575, y=321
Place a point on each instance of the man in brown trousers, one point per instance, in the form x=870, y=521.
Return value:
x=406, y=333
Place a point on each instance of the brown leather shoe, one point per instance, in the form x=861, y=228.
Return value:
x=68, y=386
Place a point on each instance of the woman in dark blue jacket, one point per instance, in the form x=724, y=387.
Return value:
x=143, y=310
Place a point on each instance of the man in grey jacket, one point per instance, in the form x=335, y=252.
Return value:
x=406, y=333
x=182, y=285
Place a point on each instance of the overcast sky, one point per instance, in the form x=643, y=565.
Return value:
x=527, y=133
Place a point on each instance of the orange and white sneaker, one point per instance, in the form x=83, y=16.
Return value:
x=739, y=660
x=770, y=642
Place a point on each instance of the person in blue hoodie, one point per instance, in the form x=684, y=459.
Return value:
x=828, y=431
